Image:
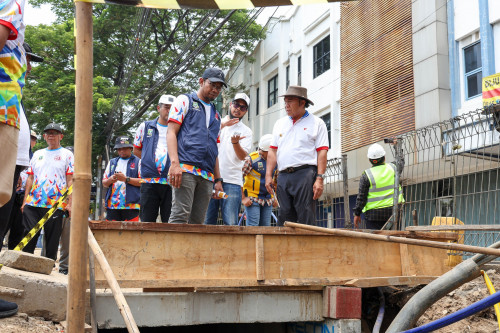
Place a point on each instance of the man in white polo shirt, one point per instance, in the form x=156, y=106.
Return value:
x=299, y=147
x=234, y=146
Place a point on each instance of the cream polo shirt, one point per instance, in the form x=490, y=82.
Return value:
x=229, y=164
x=298, y=143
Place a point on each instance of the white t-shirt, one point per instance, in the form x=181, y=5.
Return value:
x=229, y=164
x=161, y=153
x=49, y=169
x=23, y=144
x=298, y=144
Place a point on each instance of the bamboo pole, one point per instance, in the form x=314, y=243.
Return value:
x=113, y=285
x=93, y=296
x=82, y=177
x=402, y=240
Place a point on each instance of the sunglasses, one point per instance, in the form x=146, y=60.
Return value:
x=240, y=106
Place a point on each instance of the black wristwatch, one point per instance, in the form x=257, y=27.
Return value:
x=218, y=180
x=127, y=180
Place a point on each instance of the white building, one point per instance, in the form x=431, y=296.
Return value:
x=301, y=48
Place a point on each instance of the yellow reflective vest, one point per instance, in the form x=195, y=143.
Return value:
x=381, y=192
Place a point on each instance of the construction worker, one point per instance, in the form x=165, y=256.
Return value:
x=376, y=190
x=193, y=132
x=150, y=145
x=235, y=143
x=122, y=180
x=299, y=147
x=257, y=200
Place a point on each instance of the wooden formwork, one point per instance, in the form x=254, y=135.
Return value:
x=156, y=255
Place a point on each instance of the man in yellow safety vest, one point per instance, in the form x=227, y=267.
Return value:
x=376, y=190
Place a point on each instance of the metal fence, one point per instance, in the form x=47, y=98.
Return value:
x=451, y=174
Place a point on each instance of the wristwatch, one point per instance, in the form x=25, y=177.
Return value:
x=320, y=175
x=218, y=180
x=127, y=180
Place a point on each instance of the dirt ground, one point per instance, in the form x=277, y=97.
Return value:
x=471, y=292
x=21, y=323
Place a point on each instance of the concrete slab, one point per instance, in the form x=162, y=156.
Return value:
x=27, y=262
x=37, y=295
x=158, y=309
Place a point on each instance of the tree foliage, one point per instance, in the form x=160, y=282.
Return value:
x=169, y=39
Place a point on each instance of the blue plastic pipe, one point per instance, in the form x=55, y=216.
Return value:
x=459, y=315
x=381, y=311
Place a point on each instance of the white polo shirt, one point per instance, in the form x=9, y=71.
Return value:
x=229, y=164
x=298, y=143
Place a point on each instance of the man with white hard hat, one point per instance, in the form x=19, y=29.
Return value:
x=150, y=145
x=235, y=142
x=376, y=190
x=257, y=200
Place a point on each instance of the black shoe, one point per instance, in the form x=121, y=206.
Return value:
x=7, y=309
x=63, y=271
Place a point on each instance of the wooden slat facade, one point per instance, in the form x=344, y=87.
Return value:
x=376, y=61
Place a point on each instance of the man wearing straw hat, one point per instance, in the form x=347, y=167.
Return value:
x=299, y=147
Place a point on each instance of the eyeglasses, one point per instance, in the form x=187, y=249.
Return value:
x=215, y=86
x=52, y=133
x=240, y=106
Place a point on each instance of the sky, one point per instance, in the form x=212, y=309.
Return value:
x=43, y=14
x=35, y=16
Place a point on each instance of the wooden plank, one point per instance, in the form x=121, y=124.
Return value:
x=487, y=227
x=437, y=236
x=259, y=257
x=166, y=259
x=407, y=265
x=390, y=281
x=424, y=261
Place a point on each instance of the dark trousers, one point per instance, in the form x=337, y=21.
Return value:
x=6, y=209
x=52, y=229
x=16, y=222
x=295, y=196
x=122, y=215
x=376, y=218
x=155, y=197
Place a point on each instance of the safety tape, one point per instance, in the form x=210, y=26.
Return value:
x=44, y=220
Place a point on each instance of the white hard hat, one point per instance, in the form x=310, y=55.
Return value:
x=265, y=142
x=166, y=99
x=375, y=151
x=242, y=96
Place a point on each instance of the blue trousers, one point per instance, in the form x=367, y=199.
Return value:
x=230, y=207
x=258, y=215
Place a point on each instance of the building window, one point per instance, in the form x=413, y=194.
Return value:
x=287, y=76
x=473, y=70
x=327, y=119
x=299, y=71
x=272, y=91
x=257, y=102
x=321, y=56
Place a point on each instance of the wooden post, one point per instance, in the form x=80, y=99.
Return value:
x=82, y=177
x=113, y=285
x=259, y=257
x=93, y=296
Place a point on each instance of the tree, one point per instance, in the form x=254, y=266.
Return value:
x=154, y=51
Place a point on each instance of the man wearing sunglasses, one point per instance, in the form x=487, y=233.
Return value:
x=235, y=144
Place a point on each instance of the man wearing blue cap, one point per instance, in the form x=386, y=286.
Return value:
x=192, y=137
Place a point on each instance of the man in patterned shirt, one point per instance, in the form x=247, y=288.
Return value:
x=122, y=180
x=12, y=73
x=150, y=145
x=50, y=174
x=192, y=137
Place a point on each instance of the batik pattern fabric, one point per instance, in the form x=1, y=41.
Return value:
x=49, y=169
x=117, y=199
x=12, y=62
